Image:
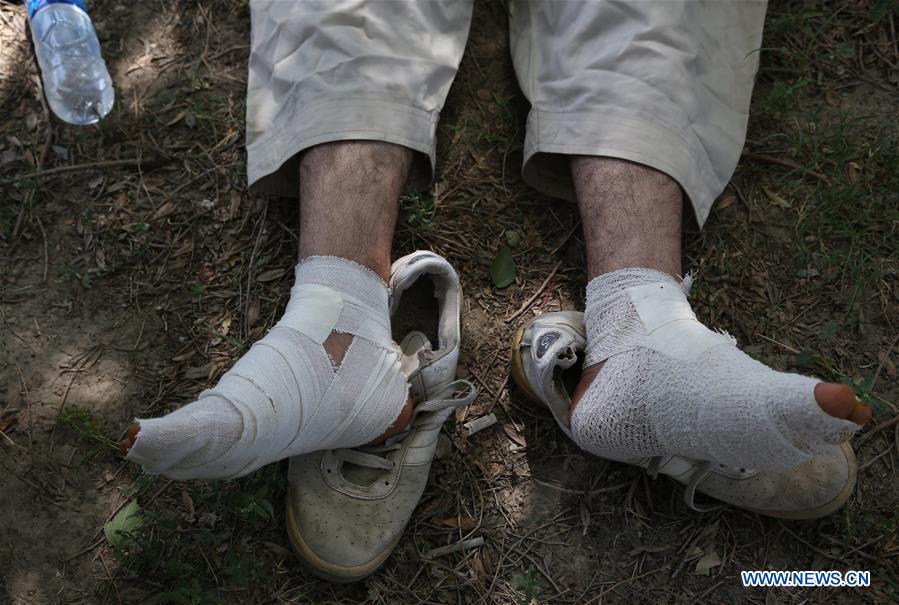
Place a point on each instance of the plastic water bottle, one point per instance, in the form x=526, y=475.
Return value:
x=76, y=81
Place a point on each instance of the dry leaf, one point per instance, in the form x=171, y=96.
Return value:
x=185, y=248
x=727, y=199
x=853, y=169
x=776, y=198
x=650, y=549
x=199, y=372
x=235, y=205
x=277, y=549
x=709, y=560
x=183, y=356
x=177, y=118
x=888, y=365
x=458, y=522
x=253, y=313
x=270, y=275
x=163, y=211
x=7, y=423
x=482, y=564
x=514, y=434
x=188, y=505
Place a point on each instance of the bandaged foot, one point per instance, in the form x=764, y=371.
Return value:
x=669, y=385
x=286, y=396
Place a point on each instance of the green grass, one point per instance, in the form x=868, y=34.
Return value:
x=417, y=210
x=190, y=559
x=815, y=105
x=528, y=585
x=82, y=422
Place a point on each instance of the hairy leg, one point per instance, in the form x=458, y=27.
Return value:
x=349, y=198
x=631, y=217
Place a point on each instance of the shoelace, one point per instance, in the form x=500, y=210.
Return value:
x=457, y=394
x=703, y=469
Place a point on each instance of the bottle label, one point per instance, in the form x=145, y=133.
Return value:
x=36, y=5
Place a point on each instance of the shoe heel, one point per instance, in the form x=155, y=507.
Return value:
x=517, y=366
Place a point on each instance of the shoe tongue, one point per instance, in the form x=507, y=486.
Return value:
x=417, y=351
x=425, y=354
x=414, y=342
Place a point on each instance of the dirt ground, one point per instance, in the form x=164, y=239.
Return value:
x=135, y=267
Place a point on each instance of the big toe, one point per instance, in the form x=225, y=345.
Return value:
x=839, y=401
x=130, y=436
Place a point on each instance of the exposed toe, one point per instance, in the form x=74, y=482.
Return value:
x=840, y=401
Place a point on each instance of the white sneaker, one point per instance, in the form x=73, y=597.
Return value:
x=545, y=351
x=347, y=508
x=426, y=297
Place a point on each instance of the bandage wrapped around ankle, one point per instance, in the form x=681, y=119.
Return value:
x=670, y=385
x=284, y=397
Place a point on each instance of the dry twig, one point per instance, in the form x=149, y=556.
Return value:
x=534, y=296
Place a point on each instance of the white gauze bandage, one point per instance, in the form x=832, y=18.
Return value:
x=672, y=386
x=284, y=397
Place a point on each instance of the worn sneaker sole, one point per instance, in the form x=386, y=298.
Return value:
x=520, y=378
x=825, y=509
x=518, y=374
x=325, y=569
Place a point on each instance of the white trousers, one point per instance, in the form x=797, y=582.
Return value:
x=665, y=83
